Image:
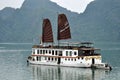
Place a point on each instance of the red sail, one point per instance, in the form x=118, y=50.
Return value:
x=47, y=35
x=63, y=27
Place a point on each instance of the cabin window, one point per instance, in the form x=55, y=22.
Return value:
x=45, y=58
x=40, y=51
x=80, y=52
x=82, y=58
x=75, y=59
x=68, y=59
x=60, y=52
x=55, y=59
x=72, y=59
x=70, y=53
x=83, y=52
x=52, y=52
x=43, y=51
x=49, y=58
x=37, y=51
x=33, y=51
x=46, y=52
x=65, y=58
x=55, y=52
x=33, y=59
x=66, y=53
x=75, y=53
x=52, y=59
x=78, y=58
x=49, y=51
x=37, y=58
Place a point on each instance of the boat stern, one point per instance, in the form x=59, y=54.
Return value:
x=102, y=66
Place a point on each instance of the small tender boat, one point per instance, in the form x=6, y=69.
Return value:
x=102, y=66
x=69, y=54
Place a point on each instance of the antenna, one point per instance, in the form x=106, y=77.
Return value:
x=41, y=42
x=57, y=28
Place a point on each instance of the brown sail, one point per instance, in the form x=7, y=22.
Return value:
x=47, y=35
x=63, y=27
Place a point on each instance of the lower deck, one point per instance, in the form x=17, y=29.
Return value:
x=79, y=61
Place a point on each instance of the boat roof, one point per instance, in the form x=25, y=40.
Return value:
x=76, y=43
x=66, y=47
x=85, y=49
x=86, y=43
x=70, y=43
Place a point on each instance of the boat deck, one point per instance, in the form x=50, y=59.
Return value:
x=66, y=47
x=88, y=51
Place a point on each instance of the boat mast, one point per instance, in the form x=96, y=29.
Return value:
x=41, y=43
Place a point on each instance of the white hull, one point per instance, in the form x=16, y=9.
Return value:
x=55, y=64
x=71, y=65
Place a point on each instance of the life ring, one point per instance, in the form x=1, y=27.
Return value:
x=86, y=58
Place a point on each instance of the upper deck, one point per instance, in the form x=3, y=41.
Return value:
x=83, y=49
x=74, y=46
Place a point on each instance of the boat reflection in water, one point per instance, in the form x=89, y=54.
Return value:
x=42, y=72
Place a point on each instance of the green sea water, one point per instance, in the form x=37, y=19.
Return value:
x=13, y=65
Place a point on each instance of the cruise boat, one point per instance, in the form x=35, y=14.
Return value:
x=68, y=54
